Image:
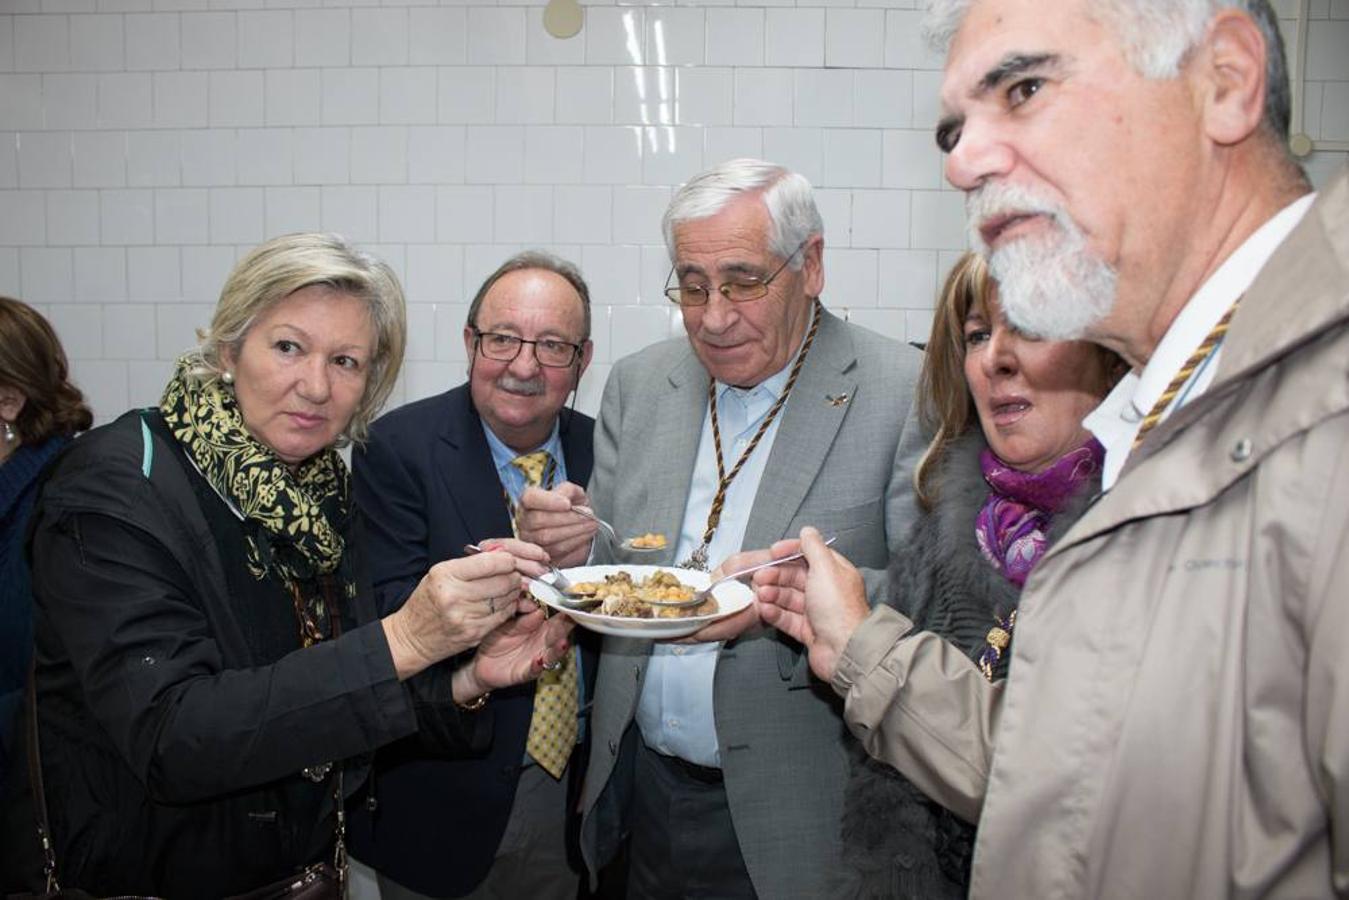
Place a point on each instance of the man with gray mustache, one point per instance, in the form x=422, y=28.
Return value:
x=1176, y=718
x=448, y=471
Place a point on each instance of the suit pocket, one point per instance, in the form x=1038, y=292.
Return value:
x=844, y=521
x=859, y=528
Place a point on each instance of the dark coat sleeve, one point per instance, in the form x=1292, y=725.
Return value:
x=443, y=729
x=152, y=674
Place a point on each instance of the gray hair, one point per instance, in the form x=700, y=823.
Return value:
x=787, y=195
x=284, y=265
x=535, y=259
x=1156, y=36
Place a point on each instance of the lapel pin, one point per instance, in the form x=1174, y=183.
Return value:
x=836, y=399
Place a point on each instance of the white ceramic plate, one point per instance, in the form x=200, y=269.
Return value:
x=731, y=598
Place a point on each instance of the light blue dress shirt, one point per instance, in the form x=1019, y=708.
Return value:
x=674, y=712
x=512, y=479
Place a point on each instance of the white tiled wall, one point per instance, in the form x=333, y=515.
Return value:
x=145, y=144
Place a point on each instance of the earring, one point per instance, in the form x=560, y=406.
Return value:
x=10, y=434
x=227, y=377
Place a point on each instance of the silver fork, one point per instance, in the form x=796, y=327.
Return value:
x=561, y=583
x=706, y=592
x=590, y=514
x=609, y=530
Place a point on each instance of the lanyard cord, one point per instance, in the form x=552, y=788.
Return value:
x=698, y=559
x=1205, y=349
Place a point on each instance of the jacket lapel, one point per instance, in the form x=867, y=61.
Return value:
x=577, y=448
x=464, y=464
x=812, y=417
x=673, y=447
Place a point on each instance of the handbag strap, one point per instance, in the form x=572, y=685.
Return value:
x=328, y=585
x=39, y=792
x=340, y=835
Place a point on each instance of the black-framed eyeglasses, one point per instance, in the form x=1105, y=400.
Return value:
x=549, y=352
x=739, y=290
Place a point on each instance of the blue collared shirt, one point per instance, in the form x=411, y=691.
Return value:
x=674, y=712
x=512, y=479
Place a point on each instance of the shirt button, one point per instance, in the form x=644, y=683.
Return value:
x=1241, y=450
x=678, y=651
x=671, y=723
x=613, y=747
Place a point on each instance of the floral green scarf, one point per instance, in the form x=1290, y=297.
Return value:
x=292, y=511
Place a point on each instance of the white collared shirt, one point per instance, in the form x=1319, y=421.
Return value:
x=1117, y=420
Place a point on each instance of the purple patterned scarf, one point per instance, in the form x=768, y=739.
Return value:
x=1012, y=523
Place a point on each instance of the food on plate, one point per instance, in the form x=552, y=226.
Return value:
x=648, y=541
x=621, y=596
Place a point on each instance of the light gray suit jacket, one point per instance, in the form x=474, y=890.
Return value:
x=839, y=466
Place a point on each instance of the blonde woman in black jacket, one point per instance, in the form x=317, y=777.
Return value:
x=211, y=672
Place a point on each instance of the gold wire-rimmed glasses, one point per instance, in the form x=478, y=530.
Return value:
x=740, y=290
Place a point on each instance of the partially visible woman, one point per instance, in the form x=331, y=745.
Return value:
x=1009, y=466
x=211, y=675
x=40, y=411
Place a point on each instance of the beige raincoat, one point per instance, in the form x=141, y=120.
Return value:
x=1176, y=720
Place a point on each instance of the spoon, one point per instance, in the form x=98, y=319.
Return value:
x=613, y=535
x=576, y=601
x=561, y=583
x=706, y=592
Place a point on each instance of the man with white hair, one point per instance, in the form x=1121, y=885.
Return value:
x=1176, y=720
x=722, y=758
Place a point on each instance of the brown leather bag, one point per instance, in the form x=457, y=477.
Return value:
x=318, y=882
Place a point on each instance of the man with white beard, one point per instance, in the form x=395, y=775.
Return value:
x=433, y=476
x=1052, y=288
x=1176, y=718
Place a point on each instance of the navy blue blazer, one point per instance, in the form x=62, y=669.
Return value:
x=426, y=486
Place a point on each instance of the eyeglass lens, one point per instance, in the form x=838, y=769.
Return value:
x=506, y=347
x=742, y=291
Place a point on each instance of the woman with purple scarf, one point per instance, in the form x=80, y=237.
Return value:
x=1009, y=467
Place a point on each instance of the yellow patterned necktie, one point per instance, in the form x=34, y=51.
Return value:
x=1201, y=353
x=535, y=466
x=552, y=729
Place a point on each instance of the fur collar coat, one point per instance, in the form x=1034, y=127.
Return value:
x=897, y=842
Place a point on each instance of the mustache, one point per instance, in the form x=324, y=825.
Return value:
x=532, y=387
x=999, y=199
